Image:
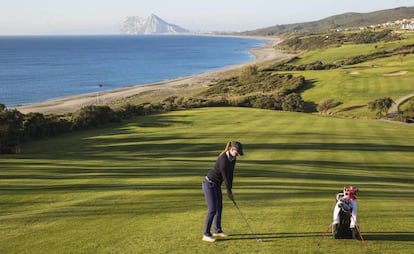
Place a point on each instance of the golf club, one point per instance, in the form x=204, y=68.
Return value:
x=326, y=231
x=360, y=234
x=245, y=220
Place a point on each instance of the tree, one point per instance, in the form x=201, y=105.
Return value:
x=381, y=105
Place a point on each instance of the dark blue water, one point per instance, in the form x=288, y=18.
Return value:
x=38, y=68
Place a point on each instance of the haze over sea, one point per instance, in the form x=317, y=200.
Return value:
x=39, y=68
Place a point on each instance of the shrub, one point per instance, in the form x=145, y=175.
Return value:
x=293, y=102
x=326, y=105
x=130, y=110
x=11, y=130
x=93, y=116
x=265, y=102
x=248, y=75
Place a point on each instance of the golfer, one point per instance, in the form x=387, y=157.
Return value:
x=222, y=172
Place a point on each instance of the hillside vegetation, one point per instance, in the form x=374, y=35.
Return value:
x=341, y=22
x=135, y=187
x=300, y=43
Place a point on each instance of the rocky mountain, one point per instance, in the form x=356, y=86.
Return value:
x=150, y=25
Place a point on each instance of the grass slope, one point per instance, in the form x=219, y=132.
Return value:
x=136, y=187
x=354, y=86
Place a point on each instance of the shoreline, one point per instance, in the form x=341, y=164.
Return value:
x=70, y=104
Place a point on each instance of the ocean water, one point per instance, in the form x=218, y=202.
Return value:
x=38, y=68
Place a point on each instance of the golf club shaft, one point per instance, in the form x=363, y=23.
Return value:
x=360, y=234
x=245, y=220
x=323, y=235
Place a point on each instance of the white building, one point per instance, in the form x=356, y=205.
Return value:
x=408, y=26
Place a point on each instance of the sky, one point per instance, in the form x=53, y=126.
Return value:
x=59, y=17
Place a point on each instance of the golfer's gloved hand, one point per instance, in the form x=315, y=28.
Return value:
x=230, y=195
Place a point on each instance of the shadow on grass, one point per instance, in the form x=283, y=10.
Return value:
x=105, y=159
x=159, y=121
x=352, y=108
x=369, y=236
x=267, y=237
x=109, y=177
x=334, y=146
x=389, y=236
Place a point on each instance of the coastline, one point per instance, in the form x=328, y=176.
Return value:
x=70, y=104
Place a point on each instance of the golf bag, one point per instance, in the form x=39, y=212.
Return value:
x=343, y=211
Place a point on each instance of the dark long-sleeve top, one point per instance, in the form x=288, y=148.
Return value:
x=223, y=171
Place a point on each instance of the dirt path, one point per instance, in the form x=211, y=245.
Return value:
x=393, y=111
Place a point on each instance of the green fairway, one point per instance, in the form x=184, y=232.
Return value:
x=336, y=54
x=354, y=86
x=136, y=187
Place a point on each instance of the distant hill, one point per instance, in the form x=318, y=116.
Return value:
x=150, y=25
x=342, y=21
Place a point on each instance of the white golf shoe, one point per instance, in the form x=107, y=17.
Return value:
x=220, y=234
x=209, y=239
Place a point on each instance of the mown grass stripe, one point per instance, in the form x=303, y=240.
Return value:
x=136, y=187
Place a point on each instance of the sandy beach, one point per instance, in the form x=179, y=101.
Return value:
x=169, y=87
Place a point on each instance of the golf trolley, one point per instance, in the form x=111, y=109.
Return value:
x=342, y=230
x=343, y=217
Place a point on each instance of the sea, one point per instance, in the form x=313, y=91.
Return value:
x=39, y=68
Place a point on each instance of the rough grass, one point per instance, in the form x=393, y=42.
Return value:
x=136, y=187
